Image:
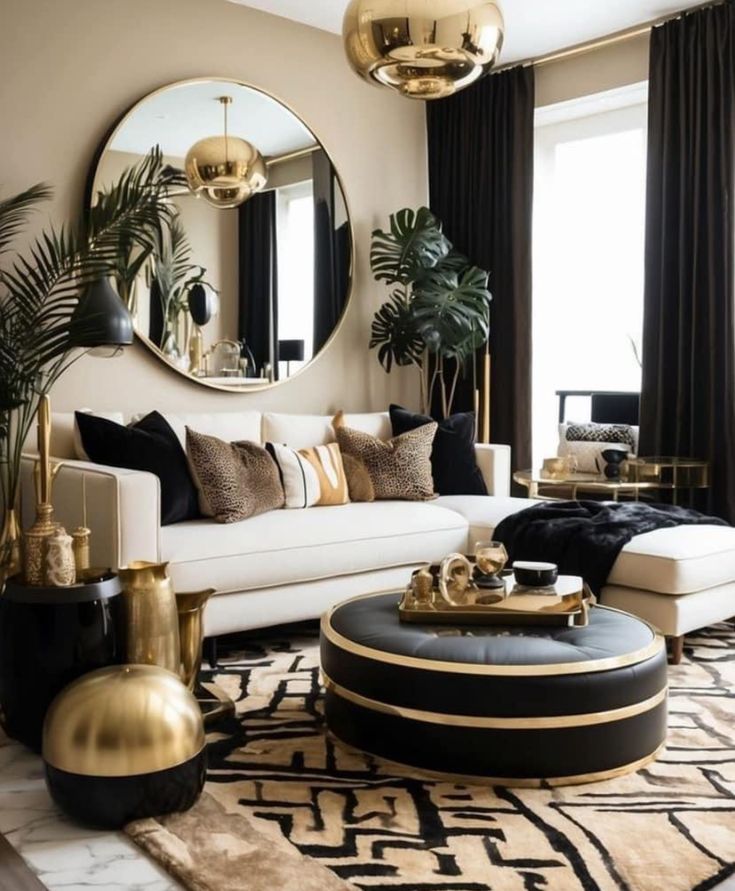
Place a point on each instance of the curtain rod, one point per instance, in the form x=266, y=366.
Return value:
x=589, y=46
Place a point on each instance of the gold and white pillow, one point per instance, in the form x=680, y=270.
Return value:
x=312, y=477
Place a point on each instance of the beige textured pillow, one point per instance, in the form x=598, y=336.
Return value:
x=399, y=469
x=358, y=479
x=235, y=480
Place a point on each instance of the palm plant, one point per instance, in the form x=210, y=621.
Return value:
x=41, y=288
x=438, y=308
x=172, y=275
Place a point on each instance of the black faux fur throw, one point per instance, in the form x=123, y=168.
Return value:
x=585, y=537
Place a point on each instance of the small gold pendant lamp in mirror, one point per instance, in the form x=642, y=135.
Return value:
x=424, y=49
x=225, y=170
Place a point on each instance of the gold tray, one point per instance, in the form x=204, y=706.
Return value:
x=567, y=603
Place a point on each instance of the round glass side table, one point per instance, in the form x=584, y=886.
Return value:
x=641, y=475
x=569, y=485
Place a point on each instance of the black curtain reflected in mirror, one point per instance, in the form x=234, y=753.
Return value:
x=258, y=280
x=331, y=253
x=155, y=325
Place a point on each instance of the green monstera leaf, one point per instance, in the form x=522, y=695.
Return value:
x=395, y=333
x=452, y=311
x=414, y=245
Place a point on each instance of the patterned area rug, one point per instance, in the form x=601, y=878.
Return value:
x=670, y=827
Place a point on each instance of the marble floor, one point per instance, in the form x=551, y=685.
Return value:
x=61, y=854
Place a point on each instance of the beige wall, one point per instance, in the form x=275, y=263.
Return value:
x=70, y=68
x=617, y=65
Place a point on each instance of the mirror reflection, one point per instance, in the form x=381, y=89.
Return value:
x=236, y=296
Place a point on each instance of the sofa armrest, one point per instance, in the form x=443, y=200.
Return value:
x=494, y=464
x=123, y=509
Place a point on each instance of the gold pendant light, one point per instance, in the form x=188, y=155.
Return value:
x=226, y=171
x=424, y=49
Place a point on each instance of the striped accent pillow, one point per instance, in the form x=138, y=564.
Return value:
x=311, y=477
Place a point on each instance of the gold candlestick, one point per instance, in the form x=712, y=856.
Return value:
x=81, y=536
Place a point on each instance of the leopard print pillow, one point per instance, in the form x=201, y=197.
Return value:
x=235, y=480
x=399, y=469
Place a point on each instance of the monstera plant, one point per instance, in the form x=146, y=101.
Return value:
x=438, y=309
x=41, y=288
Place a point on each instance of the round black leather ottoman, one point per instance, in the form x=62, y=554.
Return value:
x=512, y=705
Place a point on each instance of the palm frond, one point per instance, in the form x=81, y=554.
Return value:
x=14, y=212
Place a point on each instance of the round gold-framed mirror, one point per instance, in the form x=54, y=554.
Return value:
x=252, y=279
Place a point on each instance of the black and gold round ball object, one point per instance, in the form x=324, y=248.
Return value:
x=124, y=743
x=514, y=705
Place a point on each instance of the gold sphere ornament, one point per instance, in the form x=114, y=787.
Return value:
x=225, y=170
x=424, y=49
x=123, y=743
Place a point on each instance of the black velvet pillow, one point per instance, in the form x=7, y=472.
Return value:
x=150, y=445
x=453, y=461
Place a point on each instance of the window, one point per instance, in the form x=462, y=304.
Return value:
x=589, y=219
x=296, y=265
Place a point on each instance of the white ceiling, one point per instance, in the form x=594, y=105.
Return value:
x=178, y=116
x=533, y=27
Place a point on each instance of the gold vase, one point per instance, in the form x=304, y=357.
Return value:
x=34, y=545
x=151, y=618
x=191, y=632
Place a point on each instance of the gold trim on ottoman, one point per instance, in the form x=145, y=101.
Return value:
x=492, y=723
x=584, y=666
x=519, y=783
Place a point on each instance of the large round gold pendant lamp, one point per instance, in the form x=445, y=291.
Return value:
x=226, y=171
x=424, y=49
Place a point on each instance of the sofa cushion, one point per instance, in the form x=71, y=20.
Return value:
x=677, y=561
x=151, y=446
x=288, y=547
x=453, y=457
x=231, y=426
x=236, y=480
x=483, y=514
x=399, y=468
x=305, y=431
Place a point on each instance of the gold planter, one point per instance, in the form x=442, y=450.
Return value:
x=150, y=616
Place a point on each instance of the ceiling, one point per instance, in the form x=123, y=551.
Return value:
x=177, y=117
x=533, y=27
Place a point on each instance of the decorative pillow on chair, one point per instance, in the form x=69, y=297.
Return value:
x=453, y=460
x=149, y=445
x=236, y=480
x=587, y=441
x=399, y=469
x=609, y=433
x=311, y=477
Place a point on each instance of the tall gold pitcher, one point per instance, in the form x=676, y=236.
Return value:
x=151, y=616
x=191, y=631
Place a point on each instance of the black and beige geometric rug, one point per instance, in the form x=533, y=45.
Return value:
x=669, y=828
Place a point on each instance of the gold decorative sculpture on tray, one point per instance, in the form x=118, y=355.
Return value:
x=446, y=593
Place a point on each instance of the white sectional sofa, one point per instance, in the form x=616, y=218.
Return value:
x=290, y=565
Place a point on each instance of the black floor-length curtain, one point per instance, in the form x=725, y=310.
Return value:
x=481, y=185
x=328, y=300
x=688, y=395
x=258, y=281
